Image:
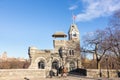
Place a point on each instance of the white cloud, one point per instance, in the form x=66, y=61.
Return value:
x=97, y=8
x=89, y=33
x=73, y=7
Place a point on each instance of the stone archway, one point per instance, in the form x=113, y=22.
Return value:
x=55, y=64
x=41, y=64
x=72, y=65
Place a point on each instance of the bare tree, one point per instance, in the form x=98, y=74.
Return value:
x=96, y=43
x=105, y=41
x=113, y=34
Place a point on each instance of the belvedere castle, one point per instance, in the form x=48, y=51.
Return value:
x=65, y=53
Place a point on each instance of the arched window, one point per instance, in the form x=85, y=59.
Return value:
x=61, y=52
x=71, y=52
x=72, y=65
x=55, y=65
x=41, y=65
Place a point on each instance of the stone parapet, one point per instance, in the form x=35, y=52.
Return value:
x=95, y=73
x=10, y=74
x=59, y=43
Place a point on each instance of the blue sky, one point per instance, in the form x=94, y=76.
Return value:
x=25, y=23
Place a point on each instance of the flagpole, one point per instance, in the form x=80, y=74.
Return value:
x=73, y=18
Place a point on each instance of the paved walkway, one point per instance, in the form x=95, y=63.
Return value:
x=64, y=78
x=75, y=78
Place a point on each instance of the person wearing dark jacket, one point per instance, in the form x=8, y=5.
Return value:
x=51, y=73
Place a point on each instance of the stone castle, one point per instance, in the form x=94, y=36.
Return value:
x=65, y=53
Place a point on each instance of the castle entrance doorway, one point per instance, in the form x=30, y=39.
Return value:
x=41, y=64
x=72, y=66
x=55, y=65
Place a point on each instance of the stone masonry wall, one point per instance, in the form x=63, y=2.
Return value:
x=12, y=74
x=20, y=74
x=95, y=73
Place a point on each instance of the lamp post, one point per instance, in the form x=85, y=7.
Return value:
x=107, y=67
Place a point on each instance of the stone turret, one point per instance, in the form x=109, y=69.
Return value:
x=73, y=32
x=59, y=43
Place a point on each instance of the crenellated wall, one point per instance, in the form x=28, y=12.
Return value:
x=57, y=44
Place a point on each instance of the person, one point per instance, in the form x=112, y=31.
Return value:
x=65, y=72
x=57, y=73
x=51, y=73
x=60, y=71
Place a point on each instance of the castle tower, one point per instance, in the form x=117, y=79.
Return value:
x=73, y=32
x=74, y=46
x=59, y=43
x=65, y=52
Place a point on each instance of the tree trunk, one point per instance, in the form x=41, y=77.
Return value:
x=98, y=64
